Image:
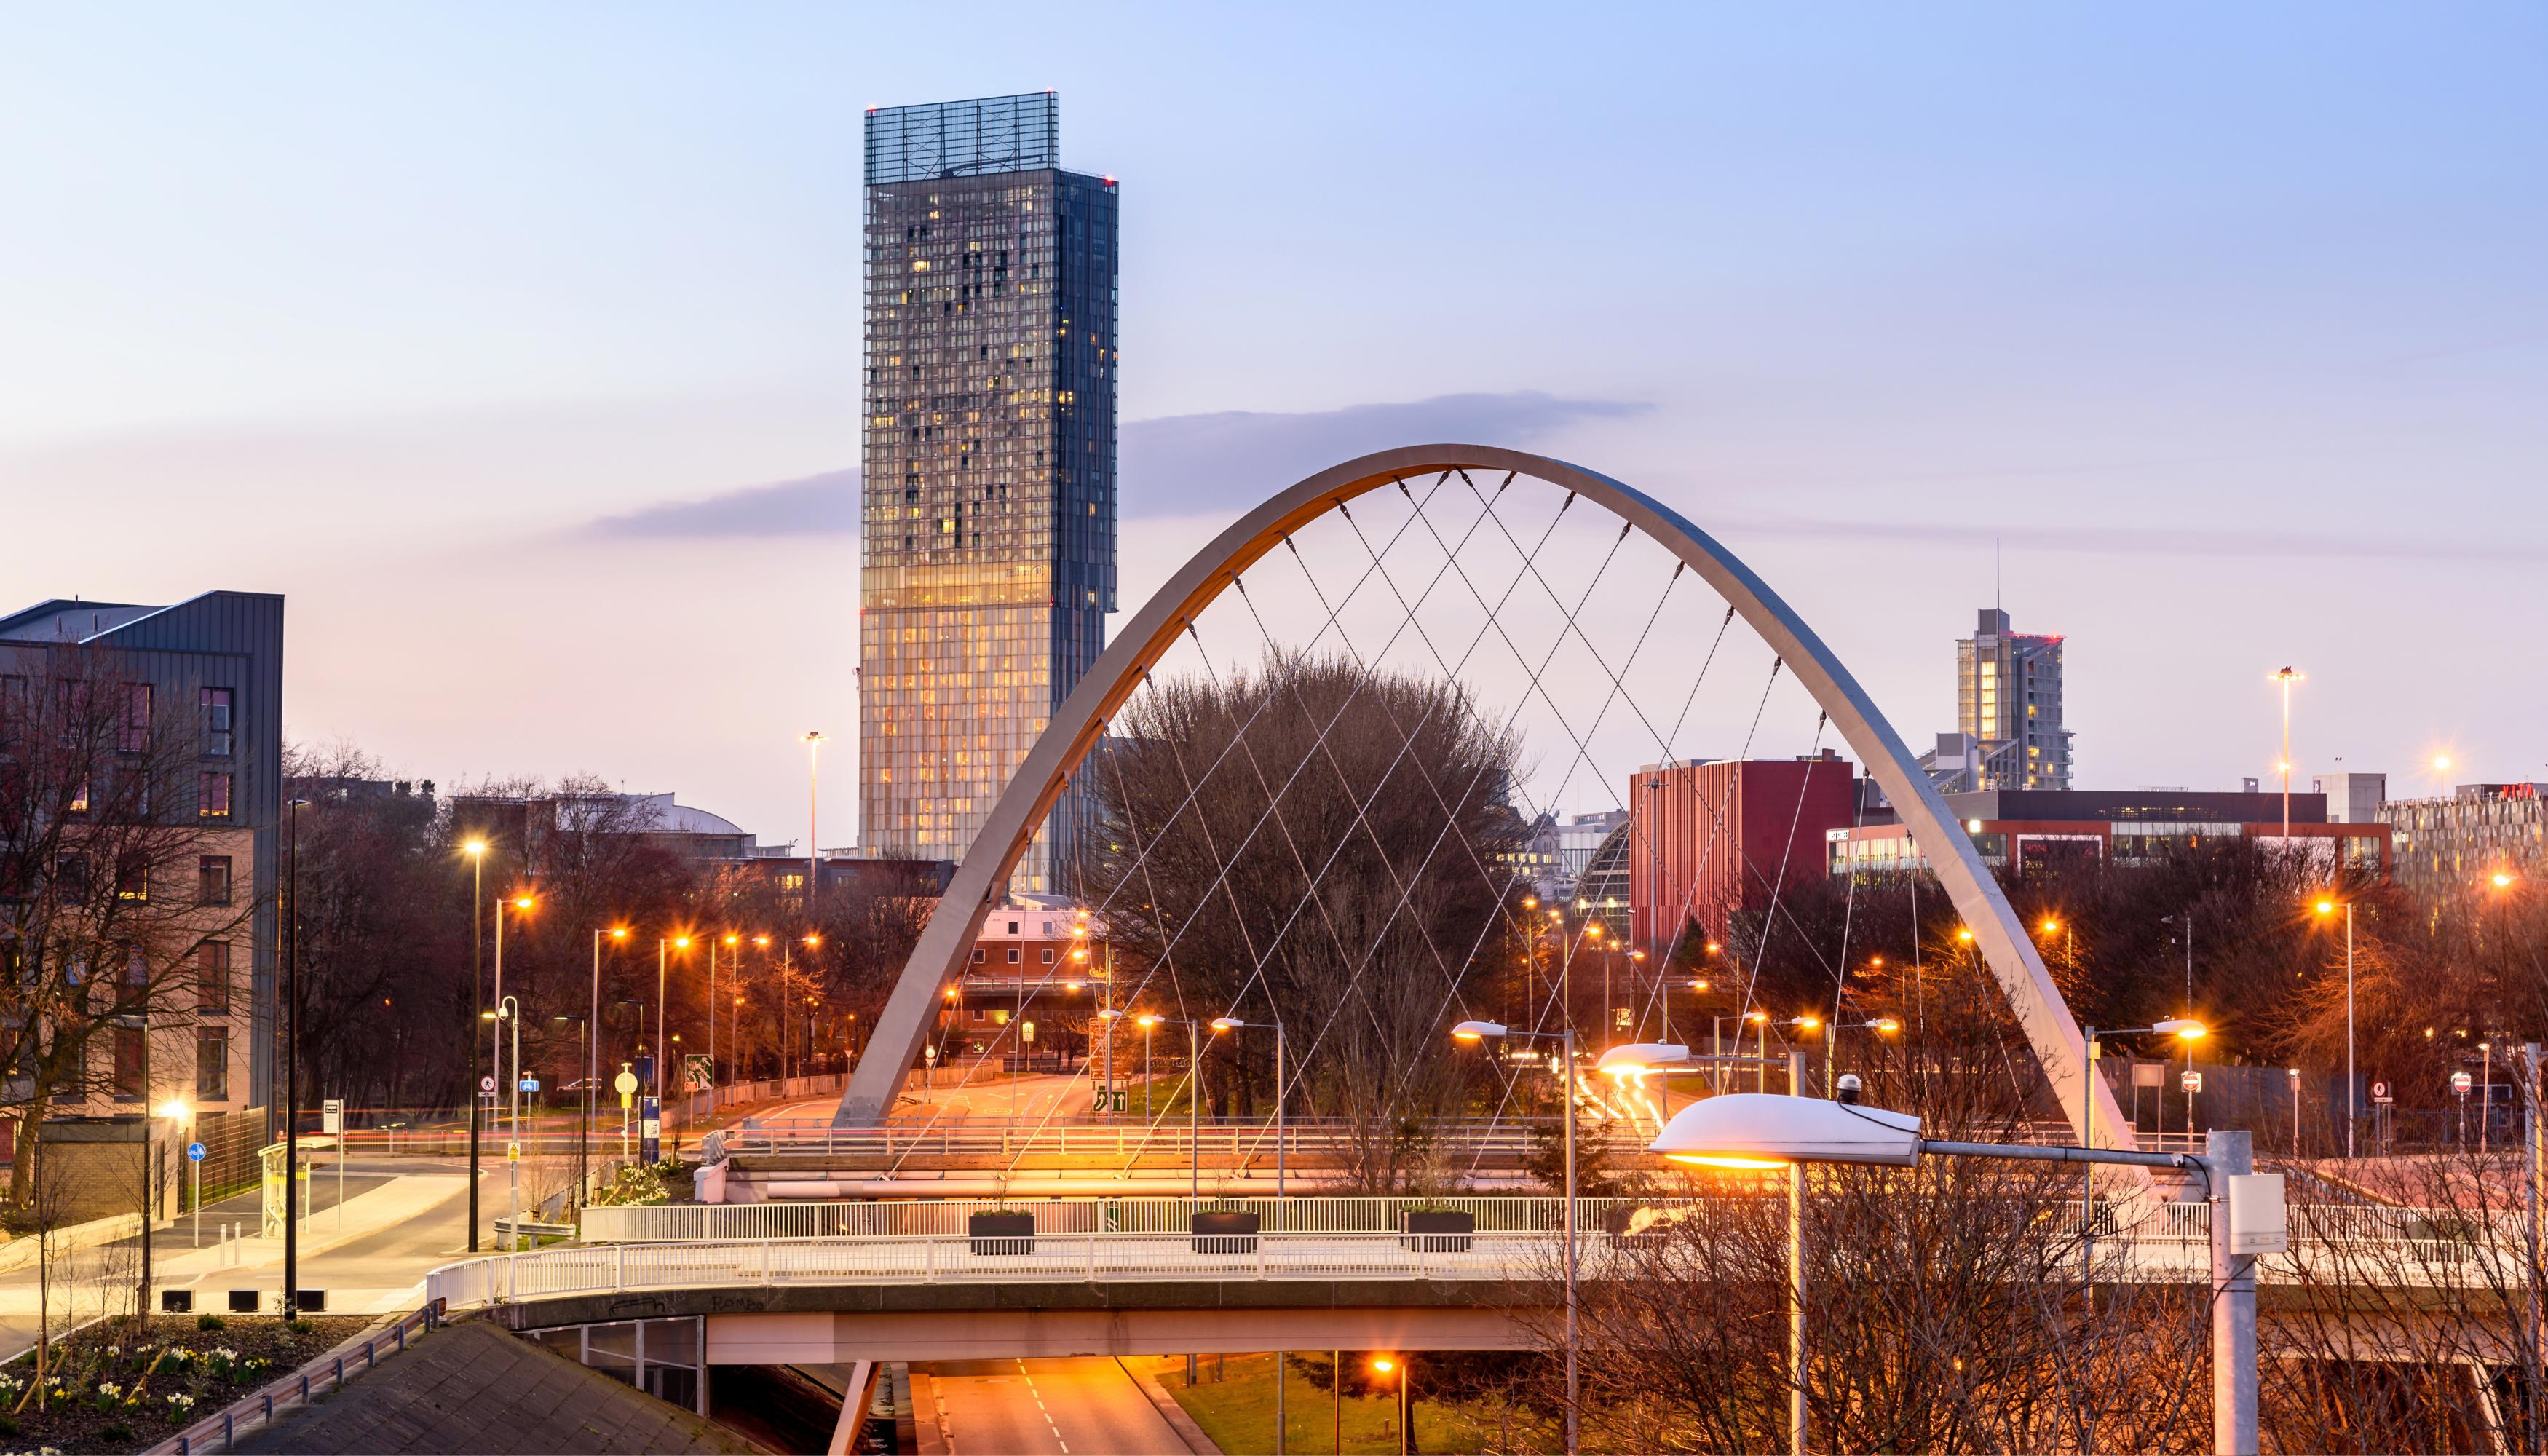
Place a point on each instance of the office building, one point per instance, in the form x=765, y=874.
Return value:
x=2456, y=846
x=988, y=554
x=1711, y=840
x=2041, y=830
x=2008, y=701
x=2352, y=799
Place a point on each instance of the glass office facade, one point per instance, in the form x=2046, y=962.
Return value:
x=988, y=561
x=2008, y=696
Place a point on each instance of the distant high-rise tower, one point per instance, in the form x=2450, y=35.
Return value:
x=2008, y=697
x=988, y=558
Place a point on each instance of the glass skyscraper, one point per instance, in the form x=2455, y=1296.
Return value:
x=2008, y=698
x=988, y=544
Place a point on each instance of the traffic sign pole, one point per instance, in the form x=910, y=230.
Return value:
x=195, y=1155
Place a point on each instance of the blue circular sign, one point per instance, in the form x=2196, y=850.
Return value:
x=194, y=1152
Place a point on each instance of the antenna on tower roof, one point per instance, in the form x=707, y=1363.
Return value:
x=1995, y=602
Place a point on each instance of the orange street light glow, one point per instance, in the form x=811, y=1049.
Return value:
x=619, y=932
x=523, y=903
x=681, y=943
x=1145, y=1021
x=1383, y=1364
x=2327, y=907
x=1721, y=1161
x=2503, y=880
x=473, y=846
x=1964, y=935
x=1758, y=1017
x=2050, y=925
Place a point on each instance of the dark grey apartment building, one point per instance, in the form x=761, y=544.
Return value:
x=194, y=691
x=988, y=554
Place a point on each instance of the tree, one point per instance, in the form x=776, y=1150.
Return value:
x=1322, y=842
x=123, y=885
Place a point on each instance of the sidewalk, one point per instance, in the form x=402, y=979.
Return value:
x=177, y=1264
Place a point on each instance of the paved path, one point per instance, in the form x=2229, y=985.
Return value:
x=474, y=1388
x=1026, y=1407
x=412, y=1218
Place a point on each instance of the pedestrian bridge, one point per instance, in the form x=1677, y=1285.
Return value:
x=1095, y=1290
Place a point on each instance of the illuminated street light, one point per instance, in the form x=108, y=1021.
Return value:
x=2351, y=1111
x=1480, y=1031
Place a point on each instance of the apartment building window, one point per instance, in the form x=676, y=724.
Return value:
x=1013, y=956
x=213, y=795
x=213, y=978
x=980, y=954
x=1047, y=956
x=212, y=879
x=133, y=734
x=127, y=1064
x=213, y=1063
x=132, y=878
x=217, y=723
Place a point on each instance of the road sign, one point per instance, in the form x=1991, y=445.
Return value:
x=1026, y=1031
x=2461, y=1082
x=625, y=1084
x=331, y=1114
x=928, y=1052
x=194, y=1152
x=530, y=1084
x=487, y=1085
x=2380, y=1092
x=2192, y=1081
x=698, y=1074
x=512, y=1152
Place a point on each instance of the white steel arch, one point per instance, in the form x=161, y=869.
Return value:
x=944, y=946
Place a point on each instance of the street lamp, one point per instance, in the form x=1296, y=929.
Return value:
x=591, y=1066
x=1756, y=1131
x=2184, y=1030
x=663, y=1047
x=1385, y=1366
x=1481, y=1030
x=476, y=850
x=584, y=1127
x=814, y=807
x=510, y=1009
x=2327, y=908
x=1234, y=1023
x=2286, y=677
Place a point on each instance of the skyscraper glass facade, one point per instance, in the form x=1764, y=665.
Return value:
x=988, y=553
x=2008, y=696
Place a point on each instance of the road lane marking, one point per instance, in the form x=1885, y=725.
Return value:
x=1040, y=1410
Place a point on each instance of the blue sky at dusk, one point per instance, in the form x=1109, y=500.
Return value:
x=519, y=345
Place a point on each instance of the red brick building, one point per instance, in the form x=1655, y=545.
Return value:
x=1711, y=839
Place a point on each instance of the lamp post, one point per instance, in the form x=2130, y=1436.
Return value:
x=476, y=850
x=663, y=1047
x=591, y=1066
x=292, y=1065
x=2286, y=677
x=2187, y=1030
x=1384, y=1365
x=510, y=1009
x=1234, y=1023
x=584, y=1124
x=1770, y=1133
x=814, y=807
x=2327, y=908
x=1481, y=1030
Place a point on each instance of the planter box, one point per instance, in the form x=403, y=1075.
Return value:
x=1001, y=1233
x=1435, y=1232
x=1226, y=1233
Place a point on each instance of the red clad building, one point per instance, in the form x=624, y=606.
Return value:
x=1711, y=839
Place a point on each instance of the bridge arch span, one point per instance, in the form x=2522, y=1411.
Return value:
x=895, y=1041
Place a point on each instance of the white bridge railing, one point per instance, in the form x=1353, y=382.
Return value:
x=904, y=1218
x=940, y=1259
x=981, y=1137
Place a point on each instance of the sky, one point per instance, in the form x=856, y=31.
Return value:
x=519, y=346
